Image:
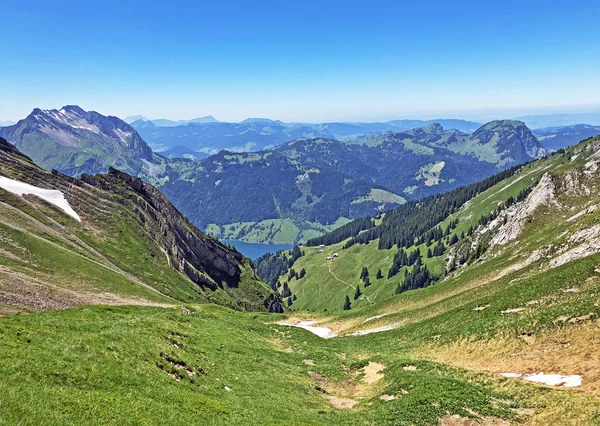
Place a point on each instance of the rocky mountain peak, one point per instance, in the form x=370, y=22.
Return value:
x=73, y=140
x=512, y=138
x=75, y=109
x=433, y=128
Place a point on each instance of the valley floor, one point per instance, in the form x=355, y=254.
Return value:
x=203, y=364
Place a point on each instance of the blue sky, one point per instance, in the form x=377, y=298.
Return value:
x=301, y=60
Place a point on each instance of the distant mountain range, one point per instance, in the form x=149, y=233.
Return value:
x=555, y=138
x=304, y=187
x=291, y=192
x=204, y=138
x=162, y=122
x=559, y=120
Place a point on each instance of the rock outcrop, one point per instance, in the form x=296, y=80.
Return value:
x=157, y=229
x=516, y=216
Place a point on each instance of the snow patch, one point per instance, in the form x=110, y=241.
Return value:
x=122, y=135
x=554, y=379
x=374, y=318
x=53, y=196
x=324, y=332
x=375, y=330
x=571, y=381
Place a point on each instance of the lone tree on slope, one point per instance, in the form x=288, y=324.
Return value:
x=347, y=303
x=357, y=293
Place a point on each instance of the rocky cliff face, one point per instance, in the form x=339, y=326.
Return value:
x=204, y=260
x=564, y=202
x=157, y=232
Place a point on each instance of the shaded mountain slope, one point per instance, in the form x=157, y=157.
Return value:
x=131, y=246
x=255, y=134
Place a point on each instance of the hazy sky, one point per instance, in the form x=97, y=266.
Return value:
x=300, y=60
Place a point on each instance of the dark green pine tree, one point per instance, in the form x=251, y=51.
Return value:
x=379, y=274
x=302, y=273
x=357, y=293
x=364, y=273
x=429, y=254
x=367, y=282
x=286, y=290
x=289, y=302
x=294, y=298
x=292, y=274
x=347, y=303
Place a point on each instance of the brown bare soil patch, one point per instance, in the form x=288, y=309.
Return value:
x=373, y=372
x=347, y=393
x=570, y=349
x=456, y=420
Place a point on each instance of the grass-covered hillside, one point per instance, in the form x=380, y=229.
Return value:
x=203, y=364
x=525, y=300
x=423, y=243
x=124, y=243
x=514, y=289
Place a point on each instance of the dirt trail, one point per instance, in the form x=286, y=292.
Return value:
x=335, y=276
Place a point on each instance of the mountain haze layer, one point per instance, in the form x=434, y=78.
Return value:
x=555, y=138
x=203, y=137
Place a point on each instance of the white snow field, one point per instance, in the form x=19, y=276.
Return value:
x=324, y=332
x=53, y=196
x=572, y=381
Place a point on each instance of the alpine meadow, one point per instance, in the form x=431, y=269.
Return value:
x=312, y=213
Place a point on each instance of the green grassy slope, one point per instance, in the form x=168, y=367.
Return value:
x=131, y=247
x=505, y=311
x=209, y=365
x=326, y=283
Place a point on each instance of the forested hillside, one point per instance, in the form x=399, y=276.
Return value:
x=311, y=186
x=413, y=246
